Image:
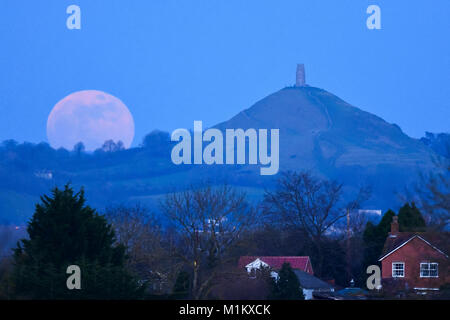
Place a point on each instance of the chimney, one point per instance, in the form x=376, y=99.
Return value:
x=394, y=226
x=300, y=78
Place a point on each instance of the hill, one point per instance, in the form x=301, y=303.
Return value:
x=318, y=132
x=323, y=133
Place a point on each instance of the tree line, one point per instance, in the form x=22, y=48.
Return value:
x=128, y=252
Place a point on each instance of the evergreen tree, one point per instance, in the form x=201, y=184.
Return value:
x=287, y=286
x=64, y=231
x=384, y=226
x=374, y=238
x=410, y=219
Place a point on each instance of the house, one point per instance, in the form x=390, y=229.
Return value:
x=312, y=285
x=302, y=263
x=418, y=260
x=301, y=266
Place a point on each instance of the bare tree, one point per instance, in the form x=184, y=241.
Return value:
x=209, y=221
x=313, y=205
x=5, y=240
x=141, y=233
x=434, y=196
x=9, y=235
x=111, y=146
x=236, y=284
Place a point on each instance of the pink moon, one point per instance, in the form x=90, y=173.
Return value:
x=91, y=117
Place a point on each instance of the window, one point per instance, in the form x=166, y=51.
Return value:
x=428, y=270
x=398, y=269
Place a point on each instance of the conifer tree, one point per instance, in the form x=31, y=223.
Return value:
x=65, y=231
x=287, y=286
x=374, y=238
x=410, y=219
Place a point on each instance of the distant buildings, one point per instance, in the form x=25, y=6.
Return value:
x=370, y=212
x=44, y=174
x=301, y=265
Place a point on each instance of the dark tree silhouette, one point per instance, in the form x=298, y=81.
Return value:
x=410, y=219
x=287, y=286
x=111, y=146
x=79, y=148
x=374, y=237
x=434, y=196
x=64, y=231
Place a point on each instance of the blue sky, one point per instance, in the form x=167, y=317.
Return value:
x=173, y=62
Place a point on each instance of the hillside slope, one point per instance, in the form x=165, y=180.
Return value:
x=323, y=133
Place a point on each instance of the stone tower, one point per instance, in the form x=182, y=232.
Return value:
x=300, y=79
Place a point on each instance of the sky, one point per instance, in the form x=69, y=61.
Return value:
x=174, y=61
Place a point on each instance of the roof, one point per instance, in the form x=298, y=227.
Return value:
x=308, y=281
x=275, y=262
x=352, y=293
x=438, y=241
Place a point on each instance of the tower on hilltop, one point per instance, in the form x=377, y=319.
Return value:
x=300, y=78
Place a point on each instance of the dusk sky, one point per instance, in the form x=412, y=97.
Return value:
x=173, y=62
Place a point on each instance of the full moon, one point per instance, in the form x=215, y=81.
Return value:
x=91, y=117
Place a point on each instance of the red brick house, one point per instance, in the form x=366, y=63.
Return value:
x=419, y=259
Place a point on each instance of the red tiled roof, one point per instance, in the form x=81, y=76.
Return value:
x=302, y=263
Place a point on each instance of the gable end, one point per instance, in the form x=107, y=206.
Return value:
x=404, y=243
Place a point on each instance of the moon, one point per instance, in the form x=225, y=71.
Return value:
x=91, y=117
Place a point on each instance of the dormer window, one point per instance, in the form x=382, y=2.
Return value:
x=429, y=270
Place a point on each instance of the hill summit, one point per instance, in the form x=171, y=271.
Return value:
x=322, y=133
x=317, y=128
